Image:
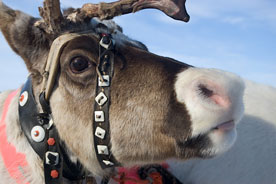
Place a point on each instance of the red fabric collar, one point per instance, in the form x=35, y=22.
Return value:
x=15, y=162
x=130, y=176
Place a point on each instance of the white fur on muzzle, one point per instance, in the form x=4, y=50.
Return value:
x=214, y=100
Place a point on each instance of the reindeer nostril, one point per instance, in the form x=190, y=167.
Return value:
x=205, y=91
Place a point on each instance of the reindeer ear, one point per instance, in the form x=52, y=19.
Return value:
x=23, y=37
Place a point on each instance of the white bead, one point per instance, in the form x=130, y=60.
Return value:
x=104, y=83
x=99, y=116
x=101, y=98
x=108, y=163
x=23, y=98
x=100, y=132
x=38, y=133
x=102, y=150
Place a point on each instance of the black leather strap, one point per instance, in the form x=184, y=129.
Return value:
x=29, y=118
x=50, y=168
x=106, y=69
x=44, y=104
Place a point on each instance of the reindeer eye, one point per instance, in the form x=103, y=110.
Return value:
x=79, y=64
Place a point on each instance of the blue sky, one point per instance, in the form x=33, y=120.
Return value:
x=237, y=36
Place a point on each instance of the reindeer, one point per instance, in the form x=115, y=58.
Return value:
x=96, y=99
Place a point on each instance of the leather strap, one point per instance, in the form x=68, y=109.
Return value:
x=53, y=171
x=102, y=102
x=55, y=160
x=29, y=118
x=52, y=65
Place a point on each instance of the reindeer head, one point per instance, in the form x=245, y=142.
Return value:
x=159, y=108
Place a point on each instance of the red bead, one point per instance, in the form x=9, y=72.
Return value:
x=51, y=141
x=21, y=98
x=54, y=174
x=36, y=134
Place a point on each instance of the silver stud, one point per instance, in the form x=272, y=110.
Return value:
x=102, y=150
x=23, y=98
x=50, y=124
x=108, y=163
x=101, y=98
x=99, y=116
x=104, y=83
x=100, y=132
x=107, y=46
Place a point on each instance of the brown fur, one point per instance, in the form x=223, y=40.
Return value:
x=145, y=118
x=146, y=82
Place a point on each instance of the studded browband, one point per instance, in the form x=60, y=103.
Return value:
x=40, y=130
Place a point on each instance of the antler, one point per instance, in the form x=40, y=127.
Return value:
x=54, y=22
x=52, y=16
x=173, y=8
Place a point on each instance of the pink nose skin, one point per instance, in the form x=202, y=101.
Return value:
x=220, y=100
x=215, y=93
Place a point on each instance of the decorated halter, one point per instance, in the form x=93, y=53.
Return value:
x=39, y=128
